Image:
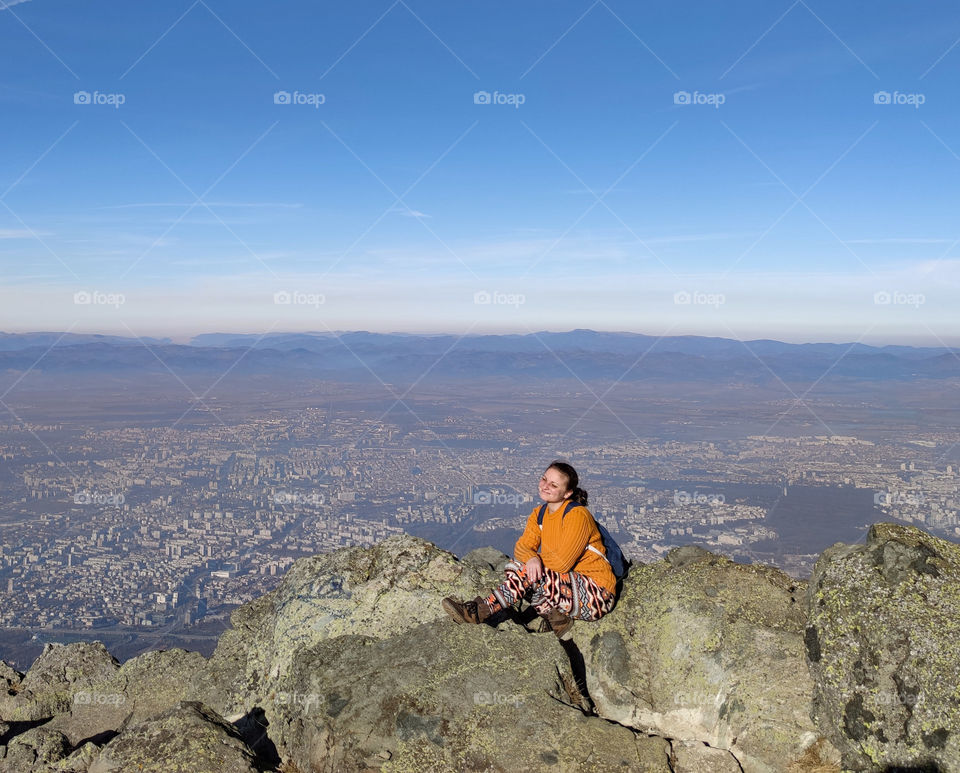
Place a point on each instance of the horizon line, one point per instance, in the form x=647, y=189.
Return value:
x=187, y=338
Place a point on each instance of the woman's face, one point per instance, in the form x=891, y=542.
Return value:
x=553, y=486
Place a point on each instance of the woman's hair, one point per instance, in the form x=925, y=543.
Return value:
x=573, y=480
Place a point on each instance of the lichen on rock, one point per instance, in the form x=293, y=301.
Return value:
x=883, y=644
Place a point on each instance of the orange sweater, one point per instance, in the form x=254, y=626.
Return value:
x=562, y=546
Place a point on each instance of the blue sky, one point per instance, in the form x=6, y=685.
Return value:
x=773, y=169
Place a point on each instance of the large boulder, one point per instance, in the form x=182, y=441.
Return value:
x=706, y=651
x=142, y=687
x=189, y=738
x=884, y=648
x=63, y=674
x=34, y=749
x=446, y=697
x=379, y=592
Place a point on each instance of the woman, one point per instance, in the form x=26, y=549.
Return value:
x=563, y=566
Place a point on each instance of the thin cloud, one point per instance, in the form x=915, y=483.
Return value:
x=4, y=4
x=598, y=192
x=19, y=233
x=899, y=240
x=745, y=87
x=696, y=238
x=184, y=205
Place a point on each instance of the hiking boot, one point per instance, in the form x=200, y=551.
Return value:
x=558, y=622
x=475, y=611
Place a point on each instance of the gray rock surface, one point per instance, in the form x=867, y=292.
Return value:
x=702, y=650
x=351, y=664
x=487, y=559
x=379, y=591
x=189, y=738
x=55, y=678
x=883, y=642
x=446, y=697
x=697, y=757
x=142, y=687
x=33, y=750
x=10, y=679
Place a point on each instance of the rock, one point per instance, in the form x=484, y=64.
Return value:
x=351, y=664
x=688, y=554
x=142, y=687
x=883, y=644
x=486, y=559
x=379, y=591
x=697, y=757
x=702, y=650
x=77, y=762
x=62, y=673
x=33, y=750
x=445, y=697
x=10, y=679
x=189, y=738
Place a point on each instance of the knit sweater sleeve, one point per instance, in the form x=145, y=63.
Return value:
x=529, y=542
x=562, y=556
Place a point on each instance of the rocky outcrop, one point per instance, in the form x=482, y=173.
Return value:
x=189, y=738
x=705, y=651
x=378, y=592
x=354, y=665
x=883, y=641
x=49, y=687
x=704, y=666
x=139, y=689
x=503, y=703
x=34, y=749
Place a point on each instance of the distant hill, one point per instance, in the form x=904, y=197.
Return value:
x=398, y=357
x=16, y=341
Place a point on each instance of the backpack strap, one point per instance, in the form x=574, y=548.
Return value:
x=571, y=503
x=543, y=511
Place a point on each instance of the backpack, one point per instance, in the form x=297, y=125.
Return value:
x=614, y=557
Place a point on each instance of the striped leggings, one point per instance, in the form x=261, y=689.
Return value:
x=573, y=593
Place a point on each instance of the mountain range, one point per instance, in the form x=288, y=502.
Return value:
x=398, y=357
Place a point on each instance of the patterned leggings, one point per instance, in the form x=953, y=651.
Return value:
x=573, y=593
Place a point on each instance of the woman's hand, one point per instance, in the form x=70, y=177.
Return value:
x=534, y=569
